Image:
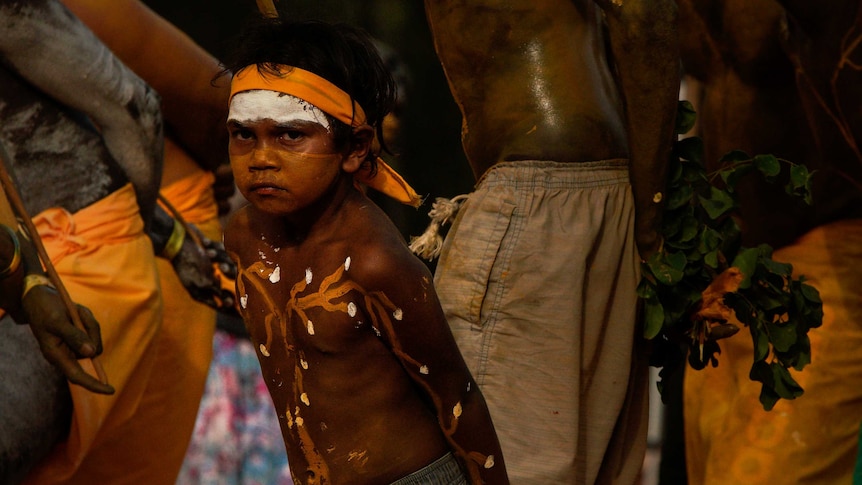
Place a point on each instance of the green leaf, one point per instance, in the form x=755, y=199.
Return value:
x=777, y=268
x=679, y=197
x=685, y=117
x=690, y=149
x=718, y=203
x=746, y=261
x=761, y=343
x=800, y=183
x=782, y=335
x=710, y=240
x=768, y=165
x=810, y=293
x=653, y=318
x=785, y=385
x=734, y=173
x=663, y=272
x=689, y=226
x=733, y=156
x=676, y=260
x=711, y=259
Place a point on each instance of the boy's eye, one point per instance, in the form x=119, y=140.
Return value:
x=242, y=134
x=292, y=134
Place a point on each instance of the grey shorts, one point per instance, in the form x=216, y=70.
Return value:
x=444, y=471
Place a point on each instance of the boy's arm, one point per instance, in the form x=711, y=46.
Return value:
x=645, y=45
x=421, y=339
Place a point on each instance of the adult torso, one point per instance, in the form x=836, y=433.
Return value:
x=531, y=78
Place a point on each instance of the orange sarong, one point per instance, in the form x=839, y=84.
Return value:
x=187, y=325
x=106, y=262
x=809, y=440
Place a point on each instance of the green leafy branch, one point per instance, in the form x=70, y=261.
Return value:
x=703, y=285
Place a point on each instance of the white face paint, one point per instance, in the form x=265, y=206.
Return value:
x=262, y=104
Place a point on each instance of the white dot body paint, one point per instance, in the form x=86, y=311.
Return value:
x=351, y=309
x=304, y=398
x=423, y=369
x=347, y=264
x=310, y=328
x=263, y=350
x=276, y=275
x=263, y=104
x=303, y=363
x=398, y=314
x=243, y=301
x=456, y=411
x=489, y=462
x=307, y=276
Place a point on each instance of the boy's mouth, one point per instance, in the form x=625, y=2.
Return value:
x=264, y=188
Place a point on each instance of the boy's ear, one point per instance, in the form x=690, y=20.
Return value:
x=360, y=144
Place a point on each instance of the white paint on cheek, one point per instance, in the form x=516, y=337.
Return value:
x=398, y=314
x=243, y=301
x=262, y=104
x=310, y=328
x=351, y=309
x=263, y=350
x=276, y=275
x=347, y=264
x=307, y=276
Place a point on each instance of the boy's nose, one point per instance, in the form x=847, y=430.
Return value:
x=262, y=159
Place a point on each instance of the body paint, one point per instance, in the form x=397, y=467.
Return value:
x=261, y=104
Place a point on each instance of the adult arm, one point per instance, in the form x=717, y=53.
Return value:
x=61, y=343
x=55, y=52
x=182, y=72
x=645, y=46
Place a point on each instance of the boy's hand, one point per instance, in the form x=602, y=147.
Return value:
x=61, y=342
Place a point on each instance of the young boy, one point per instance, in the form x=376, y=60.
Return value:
x=366, y=378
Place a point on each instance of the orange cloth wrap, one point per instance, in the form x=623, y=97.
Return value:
x=106, y=263
x=333, y=101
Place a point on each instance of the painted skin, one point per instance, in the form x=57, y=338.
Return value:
x=345, y=319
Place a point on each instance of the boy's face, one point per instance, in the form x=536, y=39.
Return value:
x=281, y=151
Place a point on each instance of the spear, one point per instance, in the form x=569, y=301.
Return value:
x=18, y=207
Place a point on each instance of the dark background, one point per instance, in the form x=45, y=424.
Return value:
x=428, y=153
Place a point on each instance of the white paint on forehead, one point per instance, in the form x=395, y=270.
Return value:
x=263, y=104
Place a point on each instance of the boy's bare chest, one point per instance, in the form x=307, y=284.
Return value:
x=313, y=307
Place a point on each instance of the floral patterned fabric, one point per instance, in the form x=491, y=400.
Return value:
x=237, y=439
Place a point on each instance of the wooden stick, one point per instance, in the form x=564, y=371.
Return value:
x=18, y=206
x=267, y=8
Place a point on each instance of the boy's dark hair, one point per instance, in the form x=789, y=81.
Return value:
x=342, y=54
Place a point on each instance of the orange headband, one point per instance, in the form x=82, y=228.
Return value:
x=304, y=85
x=326, y=96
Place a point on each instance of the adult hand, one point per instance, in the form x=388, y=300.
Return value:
x=60, y=341
x=200, y=270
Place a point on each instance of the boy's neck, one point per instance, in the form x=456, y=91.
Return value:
x=323, y=218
